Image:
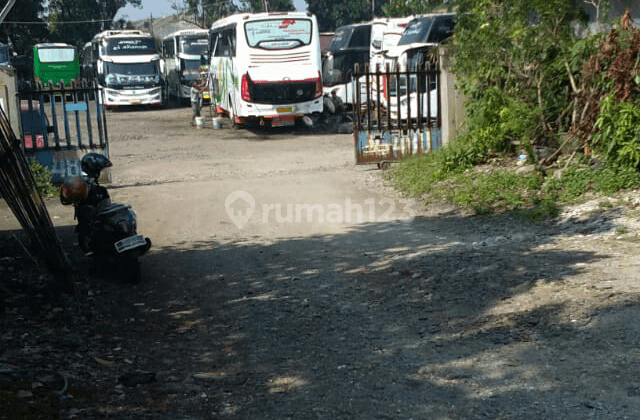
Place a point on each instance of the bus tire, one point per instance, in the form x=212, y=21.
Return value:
x=232, y=117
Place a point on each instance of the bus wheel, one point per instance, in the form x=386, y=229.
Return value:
x=232, y=117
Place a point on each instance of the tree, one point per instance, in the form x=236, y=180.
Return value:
x=77, y=21
x=24, y=35
x=272, y=5
x=332, y=15
x=208, y=11
x=516, y=61
x=204, y=12
x=399, y=8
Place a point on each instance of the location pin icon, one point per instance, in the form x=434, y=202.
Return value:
x=240, y=206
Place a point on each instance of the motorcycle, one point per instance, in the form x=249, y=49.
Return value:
x=106, y=231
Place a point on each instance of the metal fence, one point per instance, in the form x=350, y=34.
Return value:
x=58, y=125
x=396, y=114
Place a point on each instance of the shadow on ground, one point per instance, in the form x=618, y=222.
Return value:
x=389, y=321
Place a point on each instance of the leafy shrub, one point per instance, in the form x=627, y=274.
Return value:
x=497, y=191
x=608, y=90
x=618, y=135
x=496, y=123
x=576, y=181
x=42, y=176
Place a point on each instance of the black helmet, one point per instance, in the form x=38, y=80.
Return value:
x=93, y=163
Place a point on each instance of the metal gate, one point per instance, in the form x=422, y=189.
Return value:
x=396, y=114
x=59, y=125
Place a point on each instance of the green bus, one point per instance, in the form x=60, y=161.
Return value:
x=55, y=62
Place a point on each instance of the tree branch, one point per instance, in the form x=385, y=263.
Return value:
x=571, y=78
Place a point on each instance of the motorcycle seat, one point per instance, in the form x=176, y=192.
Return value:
x=112, y=208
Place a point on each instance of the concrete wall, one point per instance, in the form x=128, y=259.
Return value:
x=451, y=101
x=8, y=90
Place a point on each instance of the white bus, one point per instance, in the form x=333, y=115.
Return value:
x=186, y=55
x=266, y=67
x=416, y=47
x=127, y=66
x=385, y=34
x=419, y=38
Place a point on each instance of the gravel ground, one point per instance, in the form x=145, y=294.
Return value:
x=446, y=316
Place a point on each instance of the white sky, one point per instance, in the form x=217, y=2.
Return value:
x=161, y=8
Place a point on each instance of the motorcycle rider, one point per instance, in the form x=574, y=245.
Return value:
x=87, y=193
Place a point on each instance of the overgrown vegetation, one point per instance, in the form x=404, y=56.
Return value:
x=533, y=84
x=42, y=176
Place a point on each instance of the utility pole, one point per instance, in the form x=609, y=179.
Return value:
x=201, y=11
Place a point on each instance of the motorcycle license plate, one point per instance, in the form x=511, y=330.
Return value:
x=129, y=243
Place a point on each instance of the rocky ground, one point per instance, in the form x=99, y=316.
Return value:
x=447, y=316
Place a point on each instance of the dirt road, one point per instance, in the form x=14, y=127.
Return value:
x=287, y=283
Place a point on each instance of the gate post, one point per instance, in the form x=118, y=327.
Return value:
x=451, y=100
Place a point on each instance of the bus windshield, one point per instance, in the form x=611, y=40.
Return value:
x=278, y=34
x=130, y=46
x=56, y=55
x=133, y=69
x=432, y=29
x=350, y=37
x=132, y=74
x=193, y=45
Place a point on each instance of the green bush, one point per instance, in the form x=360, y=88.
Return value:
x=497, y=191
x=618, y=135
x=42, y=176
x=576, y=181
x=529, y=85
x=530, y=196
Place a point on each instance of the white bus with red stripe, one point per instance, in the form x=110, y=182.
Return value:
x=266, y=67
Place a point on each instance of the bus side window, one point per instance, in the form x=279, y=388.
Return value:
x=217, y=45
x=232, y=41
x=225, y=44
x=212, y=42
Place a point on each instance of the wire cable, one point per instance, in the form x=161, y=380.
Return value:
x=61, y=23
